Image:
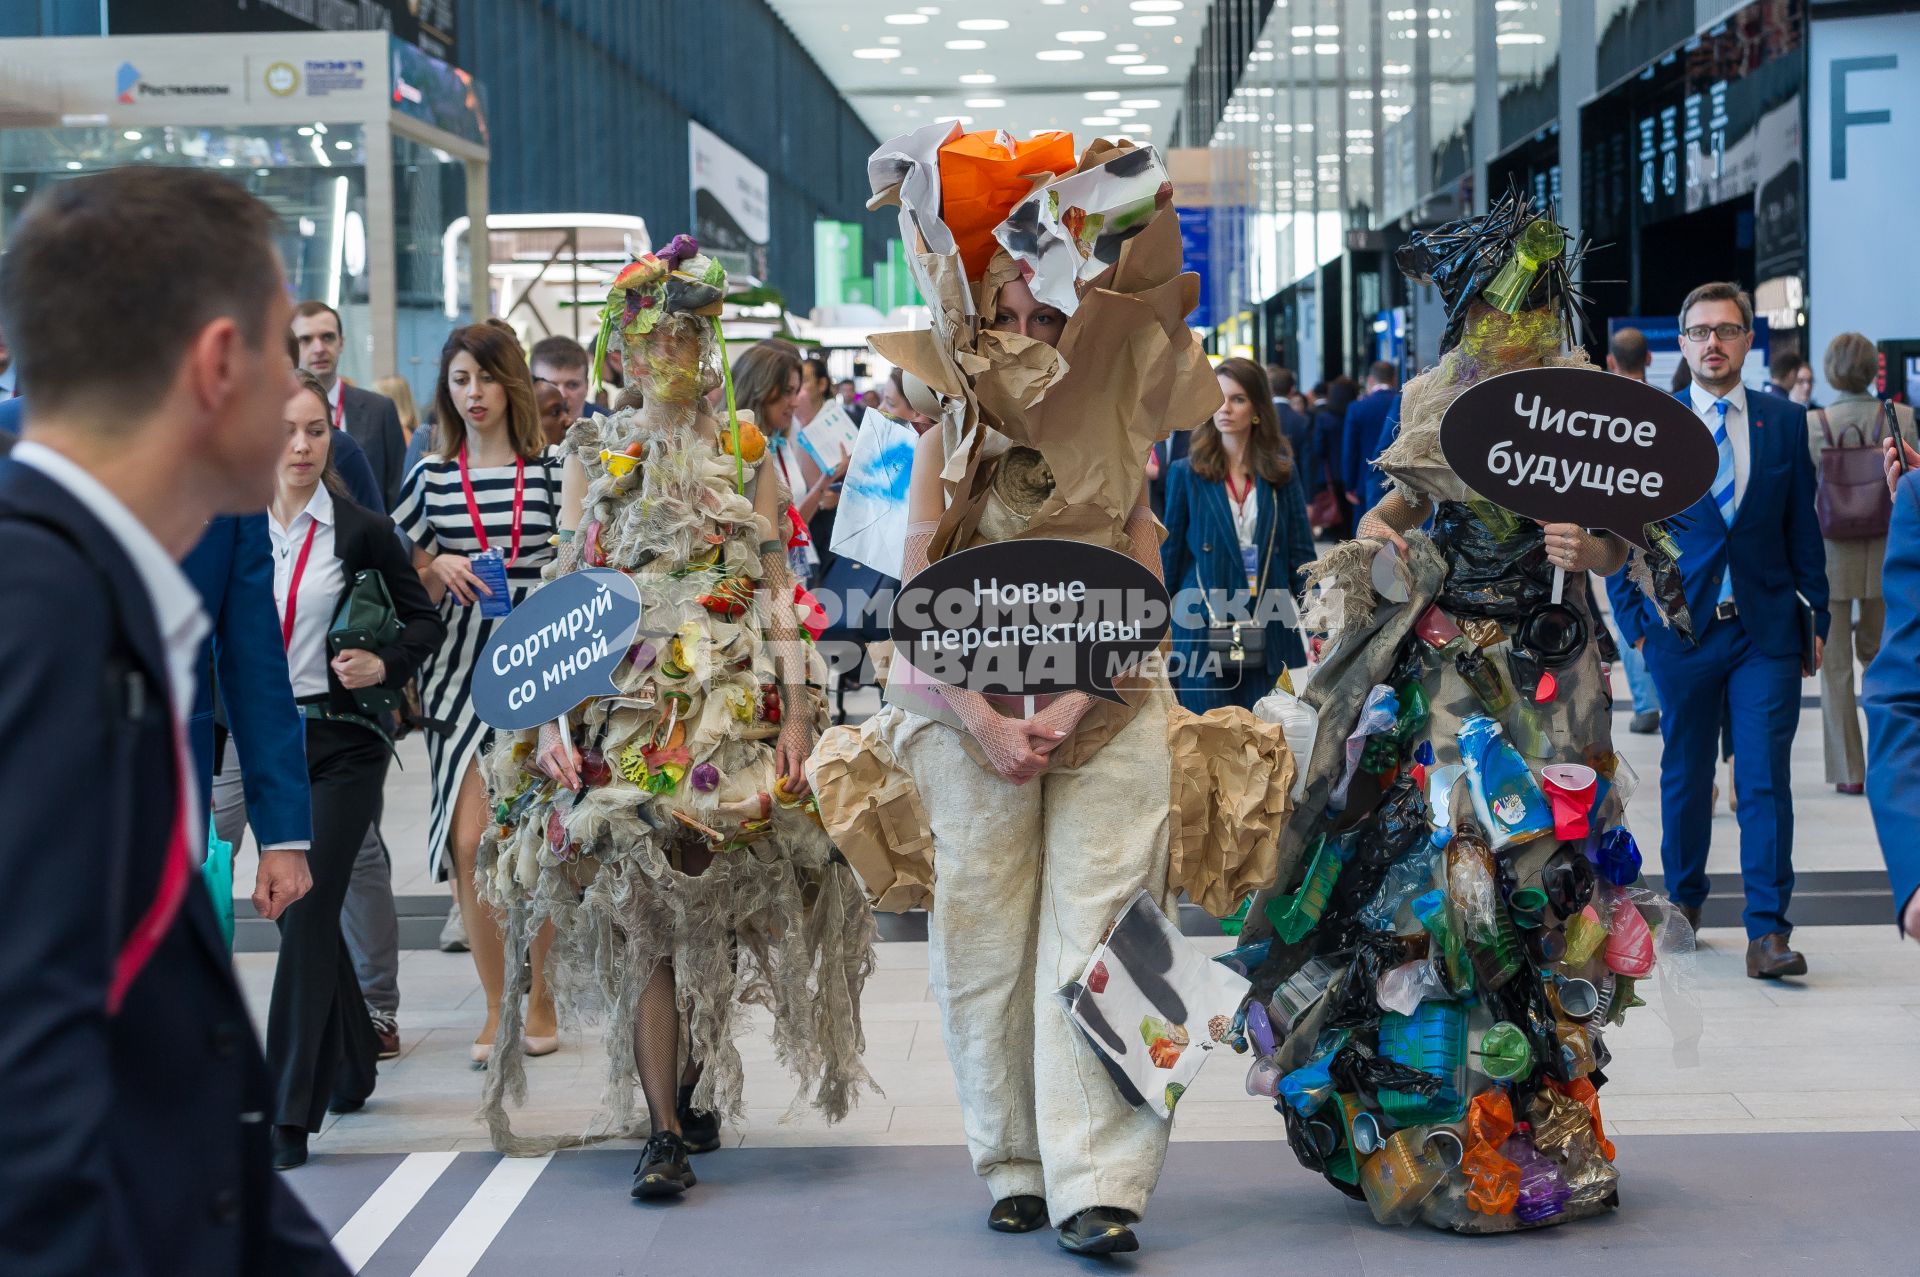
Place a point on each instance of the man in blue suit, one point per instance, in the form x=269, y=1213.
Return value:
x=1370, y=421
x=131, y=1134
x=1892, y=699
x=1744, y=592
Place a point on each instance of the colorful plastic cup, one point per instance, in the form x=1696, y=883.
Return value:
x=1578, y=998
x=1528, y=906
x=1569, y=789
x=1504, y=1051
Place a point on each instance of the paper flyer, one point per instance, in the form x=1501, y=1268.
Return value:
x=1152, y=1007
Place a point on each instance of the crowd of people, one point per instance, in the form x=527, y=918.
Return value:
x=279, y=572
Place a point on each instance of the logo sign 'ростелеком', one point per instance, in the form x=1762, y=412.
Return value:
x=1031, y=618
x=1576, y=445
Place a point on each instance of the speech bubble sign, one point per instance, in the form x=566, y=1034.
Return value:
x=1031, y=618
x=556, y=649
x=1576, y=445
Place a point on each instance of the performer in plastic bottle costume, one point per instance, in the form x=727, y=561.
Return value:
x=1060, y=353
x=673, y=845
x=1462, y=916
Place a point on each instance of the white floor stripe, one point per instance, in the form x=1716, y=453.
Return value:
x=482, y=1218
x=392, y=1202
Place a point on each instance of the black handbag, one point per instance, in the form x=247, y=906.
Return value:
x=366, y=620
x=1241, y=645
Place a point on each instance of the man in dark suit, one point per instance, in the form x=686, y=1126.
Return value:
x=1892, y=700
x=132, y=1138
x=1160, y=459
x=370, y=418
x=1744, y=592
x=1367, y=436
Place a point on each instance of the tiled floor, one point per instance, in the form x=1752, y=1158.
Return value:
x=1839, y=1050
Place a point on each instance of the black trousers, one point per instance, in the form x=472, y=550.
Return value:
x=320, y=1042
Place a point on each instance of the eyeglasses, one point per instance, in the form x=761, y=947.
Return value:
x=1725, y=332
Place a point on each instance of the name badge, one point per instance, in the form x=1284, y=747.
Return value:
x=491, y=568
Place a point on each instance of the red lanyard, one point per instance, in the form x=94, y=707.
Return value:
x=1239, y=498
x=293, y=586
x=473, y=507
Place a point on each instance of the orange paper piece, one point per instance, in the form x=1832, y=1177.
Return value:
x=983, y=175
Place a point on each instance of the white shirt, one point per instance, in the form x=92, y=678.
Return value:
x=338, y=399
x=1246, y=514
x=9, y=387
x=1736, y=431
x=320, y=587
x=182, y=623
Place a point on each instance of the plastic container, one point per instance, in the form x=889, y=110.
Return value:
x=1506, y=797
x=1504, y=1051
x=1569, y=789
x=1542, y=1193
x=1307, y=1089
x=1405, y=878
x=1433, y=1040
x=1486, y=680
x=1295, y=915
x=1263, y=1078
x=1432, y=911
x=1629, y=949
x=1298, y=993
x=1399, y=1178
x=1618, y=858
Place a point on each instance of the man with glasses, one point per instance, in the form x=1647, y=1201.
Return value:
x=1744, y=592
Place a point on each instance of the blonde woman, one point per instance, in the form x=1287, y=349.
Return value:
x=397, y=389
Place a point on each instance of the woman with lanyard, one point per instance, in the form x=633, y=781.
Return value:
x=1235, y=520
x=766, y=383
x=479, y=509
x=320, y=1043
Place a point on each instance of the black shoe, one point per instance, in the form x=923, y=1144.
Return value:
x=1645, y=724
x=289, y=1147
x=700, y=1128
x=1019, y=1214
x=1099, y=1230
x=346, y=1104
x=663, y=1169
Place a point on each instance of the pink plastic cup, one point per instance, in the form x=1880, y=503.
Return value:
x=1569, y=788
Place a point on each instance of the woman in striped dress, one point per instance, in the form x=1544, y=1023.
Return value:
x=490, y=485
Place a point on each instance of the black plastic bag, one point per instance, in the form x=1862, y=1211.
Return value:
x=1504, y=579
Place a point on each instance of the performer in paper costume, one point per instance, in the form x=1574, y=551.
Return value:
x=1459, y=915
x=672, y=844
x=1060, y=353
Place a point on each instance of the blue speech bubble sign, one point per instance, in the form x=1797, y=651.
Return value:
x=557, y=649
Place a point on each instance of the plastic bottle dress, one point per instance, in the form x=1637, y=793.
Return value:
x=1507, y=901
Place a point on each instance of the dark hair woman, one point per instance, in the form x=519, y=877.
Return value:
x=490, y=487
x=320, y=1041
x=766, y=382
x=1237, y=534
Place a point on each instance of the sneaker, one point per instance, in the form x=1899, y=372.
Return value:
x=453, y=936
x=700, y=1128
x=387, y=1030
x=663, y=1170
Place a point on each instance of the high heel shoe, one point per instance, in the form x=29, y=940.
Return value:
x=537, y=1047
x=482, y=1054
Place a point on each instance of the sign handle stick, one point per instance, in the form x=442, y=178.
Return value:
x=566, y=739
x=1026, y=707
x=1559, y=583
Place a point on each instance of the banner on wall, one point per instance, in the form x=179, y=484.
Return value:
x=430, y=24
x=1864, y=105
x=730, y=201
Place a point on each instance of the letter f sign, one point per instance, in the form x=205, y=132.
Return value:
x=1843, y=119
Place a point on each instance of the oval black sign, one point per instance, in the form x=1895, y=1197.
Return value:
x=1031, y=618
x=1576, y=445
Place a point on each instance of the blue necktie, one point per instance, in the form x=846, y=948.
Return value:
x=1723, y=484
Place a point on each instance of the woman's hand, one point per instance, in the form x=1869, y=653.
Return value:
x=1895, y=471
x=790, y=755
x=1572, y=547
x=1009, y=745
x=1374, y=528
x=454, y=574
x=1050, y=728
x=357, y=669
x=555, y=759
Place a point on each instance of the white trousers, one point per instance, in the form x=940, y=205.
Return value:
x=1029, y=878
